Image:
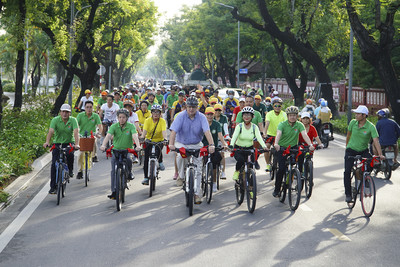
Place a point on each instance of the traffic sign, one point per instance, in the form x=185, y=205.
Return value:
x=243, y=71
x=101, y=71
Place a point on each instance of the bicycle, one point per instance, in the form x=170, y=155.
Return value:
x=121, y=173
x=86, y=146
x=106, y=125
x=207, y=177
x=190, y=182
x=364, y=186
x=292, y=183
x=62, y=172
x=308, y=172
x=153, y=165
x=272, y=157
x=247, y=180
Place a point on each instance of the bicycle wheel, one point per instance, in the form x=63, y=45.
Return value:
x=203, y=179
x=273, y=166
x=118, y=188
x=294, y=189
x=86, y=168
x=59, y=182
x=308, y=178
x=218, y=174
x=152, y=177
x=368, y=195
x=191, y=191
x=354, y=189
x=388, y=170
x=64, y=184
x=209, y=182
x=282, y=191
x=251, y=190
x=239, y=188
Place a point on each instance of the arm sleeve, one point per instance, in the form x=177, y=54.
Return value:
x=225, y=125
x=239, y=118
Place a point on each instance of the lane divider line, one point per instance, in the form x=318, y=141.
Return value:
x=20, y=220
x=339, y=235
x=304, y=207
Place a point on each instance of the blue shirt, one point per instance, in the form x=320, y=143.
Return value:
x=388, y=130
x=190, y=131
x=165, y=96
x=316, y=111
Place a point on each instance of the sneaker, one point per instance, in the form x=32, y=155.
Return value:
x=223, y=176
x=161, y=166
x=145, y=181
x=135, y=160
x=235, y=176
x=71, y=173
x=348, y=198
x=112, y=196
x=275, y=194
x=215, y=188
x=257, y=165
x=95, y=159
x=53, y=191
x=179, y=182
x=268, y=168
x=197, y=200
x=395, y=166
x=79, y=175
x=130, y=177
x=175, y=176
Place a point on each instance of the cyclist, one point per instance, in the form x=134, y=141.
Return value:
x=143, y=113
x=325, y=115
x=133, y=118
x=257, y=119
x=101, y=101
x=223, y=121
x=65, y=130
x=272, y=120
x=177, y=105
x=160, y=97
x=215, y=94
x=230, y=103
x=117, y=99
x=171, y=98
x=243, y=137
x=88, y=121
x=389, y=133
x=123, y=133
x=108, y=112
x=151, y=98
x=288, y=135
x=268, y=104
x=188, y=129
x=359, y=133
x=259, y=106
x=309, y=108
x=316, y=111
x=274, y=95
x=86, y=97
x=155, y=130
x=236, y=110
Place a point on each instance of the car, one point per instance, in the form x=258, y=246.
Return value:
x=168, y=83
x=223, y=92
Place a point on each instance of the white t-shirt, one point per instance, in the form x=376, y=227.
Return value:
x=84, y=99
x=110, y=114
x=133, y=118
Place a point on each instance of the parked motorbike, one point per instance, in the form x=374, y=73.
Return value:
x=385, y=166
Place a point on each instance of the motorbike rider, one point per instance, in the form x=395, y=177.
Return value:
x=325, y=115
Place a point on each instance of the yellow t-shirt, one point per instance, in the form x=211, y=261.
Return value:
x=325, y=116
x=274, y=121
x=142, y=117
x=149, y=126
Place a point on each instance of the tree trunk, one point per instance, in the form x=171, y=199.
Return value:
x=19, y=75
x=1, y=103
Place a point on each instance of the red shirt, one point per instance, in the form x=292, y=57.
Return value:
x=312, y=133
x=236, y=110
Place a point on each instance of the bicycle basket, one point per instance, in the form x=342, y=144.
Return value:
x=86, y=144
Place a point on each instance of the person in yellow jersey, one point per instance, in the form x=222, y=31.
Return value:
x=143, y=113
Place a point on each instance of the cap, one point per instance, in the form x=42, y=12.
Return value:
x=158, y=89
x=87, y=91
x=182, y=93
x=198, y=92
x=242, y=99
x=305, y=115
x=218, y=107
x=65, y=107
x=276, y=92
x=213, y=100
x=361, y=109
x=257, y=97
x=104, y=93
x=209, y=110
x=193, y=93
x=207, y=91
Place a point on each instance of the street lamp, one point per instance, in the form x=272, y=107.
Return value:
x=238, y=48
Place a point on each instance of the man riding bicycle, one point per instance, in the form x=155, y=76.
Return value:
x=108, y=113
x=230, y=104
x=188, y=129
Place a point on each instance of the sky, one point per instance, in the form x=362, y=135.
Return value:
x=168, y=9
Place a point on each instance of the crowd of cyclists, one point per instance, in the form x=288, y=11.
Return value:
x=193, y=118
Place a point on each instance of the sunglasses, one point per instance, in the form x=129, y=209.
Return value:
x=277, y=106
x=218, y=110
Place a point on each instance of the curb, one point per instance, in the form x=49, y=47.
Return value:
x=23, y=181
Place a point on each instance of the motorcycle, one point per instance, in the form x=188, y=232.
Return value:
x=325, y=133
x=386, y=165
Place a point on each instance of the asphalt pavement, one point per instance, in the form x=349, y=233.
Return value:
x=86, y=230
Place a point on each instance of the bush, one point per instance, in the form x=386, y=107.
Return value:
x=9, y=87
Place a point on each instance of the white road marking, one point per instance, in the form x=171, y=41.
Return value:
x=339, y=235
x=341, y=144
x=304, y=207
x=18, y=222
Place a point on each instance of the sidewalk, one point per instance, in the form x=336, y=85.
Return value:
x=23, y=181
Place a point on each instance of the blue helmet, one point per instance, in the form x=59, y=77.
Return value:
x=384, y=113
x=320, y=100
x=324, y=103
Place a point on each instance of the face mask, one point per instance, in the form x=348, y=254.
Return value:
x=268, y=103
x=230, y=96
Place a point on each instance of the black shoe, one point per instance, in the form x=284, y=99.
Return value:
x=112, y=196
x=71, y=173
x=79, y=175
x=53, y=191
x=257, y=165
x=349, y=199
x=275, y=194
x=130, y=177
x=95, y=159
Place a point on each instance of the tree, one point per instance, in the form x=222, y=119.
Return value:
x=377, y=37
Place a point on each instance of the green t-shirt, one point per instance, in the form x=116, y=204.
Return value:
x=256, y=118
x=87, y=124
x=274, y=121
x=171, y=99
x=120, y=104
x=244, y=137
x=122, y=136
x=160, y=99
x=215, y=128
x=137, y=101
x=290, y=134
x=261, y=108
x=101, y=101
x=360, y=137
x=63, y=132
x=222, y=120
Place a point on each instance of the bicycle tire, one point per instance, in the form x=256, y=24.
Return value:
x=64, y=184
x=282, y=191
x=273, y=166
x=309, y=178
x=152, y=177
x=203, y=179
x=86, y=169
x=118, y=185
x=191, y=191
x=368, y=195
x=294, y=189
x=388, y=170
x=59, y=183
x=124, y=183
x=251, y=190
x=354, y=189
x=239, y=189
x=209, y=182
x=218, y=175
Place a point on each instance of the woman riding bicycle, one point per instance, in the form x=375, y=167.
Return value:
x=143, y=113
x=154, y=130
x=243, y=137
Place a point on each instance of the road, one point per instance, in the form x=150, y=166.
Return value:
x=86, y=229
